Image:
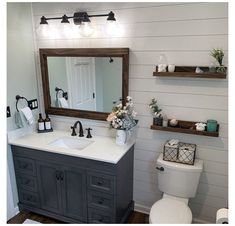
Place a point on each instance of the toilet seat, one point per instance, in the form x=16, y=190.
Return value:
x=170, y=211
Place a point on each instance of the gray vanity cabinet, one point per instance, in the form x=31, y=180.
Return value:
x=62, y=189
x=72, y=189
x=49, y=186
x=73, y=183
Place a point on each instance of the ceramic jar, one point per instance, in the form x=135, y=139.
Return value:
x=211, y=125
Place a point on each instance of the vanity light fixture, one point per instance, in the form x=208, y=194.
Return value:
x=78, y=18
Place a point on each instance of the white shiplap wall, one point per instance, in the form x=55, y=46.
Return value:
x=185, y=32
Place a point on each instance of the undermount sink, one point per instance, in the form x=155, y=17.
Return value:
x=71, y=143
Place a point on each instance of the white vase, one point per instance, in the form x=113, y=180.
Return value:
x=121, y=137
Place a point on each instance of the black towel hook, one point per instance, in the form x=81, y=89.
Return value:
x=18, y=97
x=64, y=94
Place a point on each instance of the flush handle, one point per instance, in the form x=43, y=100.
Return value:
x=160, y=168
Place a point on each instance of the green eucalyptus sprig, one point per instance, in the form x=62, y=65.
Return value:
x=154, y=108
x=218, y=54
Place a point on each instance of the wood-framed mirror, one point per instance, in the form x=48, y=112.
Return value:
x=84, y=82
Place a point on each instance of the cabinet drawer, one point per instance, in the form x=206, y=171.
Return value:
x=25, y=165
x=101, y=182
x=99, y=217
x=26, y=182
x=29, y=198
x=100, y=200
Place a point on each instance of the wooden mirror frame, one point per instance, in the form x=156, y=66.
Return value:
x=82, y=52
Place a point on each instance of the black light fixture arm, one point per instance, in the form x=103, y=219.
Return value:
x=78, y=18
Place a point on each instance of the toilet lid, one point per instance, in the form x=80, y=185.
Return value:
x=170, y=211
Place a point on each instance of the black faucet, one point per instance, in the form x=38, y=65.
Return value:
x=80, y=129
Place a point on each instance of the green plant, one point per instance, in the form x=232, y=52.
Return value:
x=154, y=108
x=218, y=54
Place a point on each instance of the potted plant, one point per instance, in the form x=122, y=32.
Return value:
x=218, y=54
x=157, y=116
x=122, y=118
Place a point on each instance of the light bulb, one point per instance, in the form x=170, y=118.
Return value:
x=66, y=30
x=86, y=29
x=112, y=29
x=43, y=30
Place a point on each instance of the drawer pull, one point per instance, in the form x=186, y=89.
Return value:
x=101, y=220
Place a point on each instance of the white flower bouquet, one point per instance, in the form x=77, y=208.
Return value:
x=123, y=117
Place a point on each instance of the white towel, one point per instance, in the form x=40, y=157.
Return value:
x=28, y=115
x=63, y=103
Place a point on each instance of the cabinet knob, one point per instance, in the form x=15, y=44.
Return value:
x=101, y=201
x=57, y=175
x=100, y=183
x=61, y=175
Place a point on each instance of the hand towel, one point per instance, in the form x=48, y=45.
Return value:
x=63, y=103
x=18, y=120
x=28, y=115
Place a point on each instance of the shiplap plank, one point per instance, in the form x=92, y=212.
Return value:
x=185, y=58
x=203, y=212
x=212, y=190
x=183, y=113
x=180, y=86
x=214, y=179
x=165, y=30
x=182, y=100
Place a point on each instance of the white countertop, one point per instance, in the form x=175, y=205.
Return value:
x=102, y=149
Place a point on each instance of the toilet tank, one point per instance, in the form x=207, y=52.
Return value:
x=179, y=179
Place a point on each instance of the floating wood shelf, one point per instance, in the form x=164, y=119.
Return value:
x=186, y=127
x=184, y=71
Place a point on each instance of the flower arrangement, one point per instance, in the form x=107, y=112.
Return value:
x=218, y=54
x=154, y=108
x=123, y=117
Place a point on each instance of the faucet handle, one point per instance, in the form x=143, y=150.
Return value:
x=88, y=133
x=73, y=131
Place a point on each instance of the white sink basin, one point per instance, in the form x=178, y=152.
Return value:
x=71, y=143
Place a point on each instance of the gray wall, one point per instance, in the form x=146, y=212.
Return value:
x=21, y=73
x=57, y=76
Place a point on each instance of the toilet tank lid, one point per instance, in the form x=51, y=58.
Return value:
x=197, y=167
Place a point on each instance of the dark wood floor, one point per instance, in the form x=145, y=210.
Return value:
x=135, y=218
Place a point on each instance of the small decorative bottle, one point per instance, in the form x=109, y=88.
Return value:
x=47, y=122
x=41, y=125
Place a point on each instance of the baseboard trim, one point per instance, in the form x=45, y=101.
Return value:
x=16, y=210
x=200, y=221
x=142, y=208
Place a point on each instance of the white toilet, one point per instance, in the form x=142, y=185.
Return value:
x=178, y=182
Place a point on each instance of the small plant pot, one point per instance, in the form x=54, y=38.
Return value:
x=158, y=121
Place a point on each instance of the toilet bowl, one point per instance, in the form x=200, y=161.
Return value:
x=170, y=211
x=178, y=182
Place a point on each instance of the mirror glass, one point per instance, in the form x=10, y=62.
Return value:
x=85, y=83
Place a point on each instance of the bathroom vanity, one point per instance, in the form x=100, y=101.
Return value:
x=91, y=185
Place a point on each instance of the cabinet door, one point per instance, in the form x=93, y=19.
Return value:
x=49, y=184
x=74, y=193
